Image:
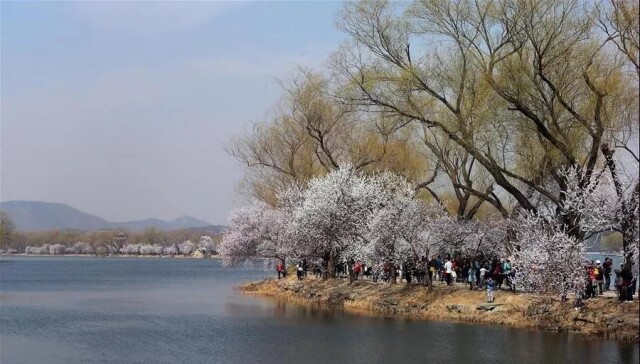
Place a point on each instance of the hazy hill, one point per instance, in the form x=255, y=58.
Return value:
x=183, y=222
x=40, y=216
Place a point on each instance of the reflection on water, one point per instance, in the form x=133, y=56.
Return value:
x=117, y=310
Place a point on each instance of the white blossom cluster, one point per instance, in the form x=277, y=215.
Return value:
x=604, y=206
x=257, y=231
x=545, y=258
x=596, y=203
x=376, y=219
x=59, y=249
x=206, y=245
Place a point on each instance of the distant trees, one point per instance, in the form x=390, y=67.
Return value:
x=7, y=231
x=207, y=245
x=149, y=242
x=611, y=241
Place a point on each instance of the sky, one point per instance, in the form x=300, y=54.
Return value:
x=124, y=109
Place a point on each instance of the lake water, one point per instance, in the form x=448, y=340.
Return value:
x=124, y=310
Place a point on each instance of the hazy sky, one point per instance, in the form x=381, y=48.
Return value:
x=123, y=109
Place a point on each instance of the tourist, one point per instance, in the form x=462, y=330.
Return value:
x=500, y=275
x=304, y=266
x=433, y=264
x=439, y=268
x=506, y=271
x=299, y=270
x=448, y=270
x=619, y=281
x=490, y=286
x=483, y=275
x=340, y=268
x=317, y=269
x=408, y=270
x=454, y=271
x=626, y=293
x=476, y=265
x=598, y=274
x=606, y=266
x=280, y=269
x=470, y=277
x=591, y=285
x=497, y=272
x=357, y=268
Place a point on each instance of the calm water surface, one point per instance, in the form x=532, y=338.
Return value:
x=123, y=310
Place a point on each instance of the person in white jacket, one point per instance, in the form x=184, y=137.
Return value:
x=448, y=270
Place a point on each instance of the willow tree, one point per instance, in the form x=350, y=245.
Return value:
x=527, y=89
x=312, y=134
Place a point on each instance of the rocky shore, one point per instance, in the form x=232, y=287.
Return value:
x=601, y=317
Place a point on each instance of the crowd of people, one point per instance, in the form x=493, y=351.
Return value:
x=598, y=279
x=480, y=272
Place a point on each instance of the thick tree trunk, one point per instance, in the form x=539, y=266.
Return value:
x=630, y=220
x=392, y=272
x=329, y=264
x=428, y=281
x=628, y=208
x=332, y=266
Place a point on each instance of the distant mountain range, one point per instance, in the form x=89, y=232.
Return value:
x=41, y=216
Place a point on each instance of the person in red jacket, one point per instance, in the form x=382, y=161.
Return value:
x=281, y=270
x=357, y=269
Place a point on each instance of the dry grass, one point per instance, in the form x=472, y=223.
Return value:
x=601, y=317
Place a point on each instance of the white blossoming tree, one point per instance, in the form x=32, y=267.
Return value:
x=546, y=258
x=257, y=231
x=57, y=249
x=608, y=203
x=186, y=247
x=206, y=245
x=334, y=210
x=170, y=250
x=471, y=238
x=151, y=249
x=404, y=228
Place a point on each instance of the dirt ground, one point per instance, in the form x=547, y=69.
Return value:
x=603, y=316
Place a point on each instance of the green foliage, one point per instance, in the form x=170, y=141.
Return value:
x=612, y=241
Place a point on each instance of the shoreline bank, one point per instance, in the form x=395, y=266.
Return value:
x=600, y=317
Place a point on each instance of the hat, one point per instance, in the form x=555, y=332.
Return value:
x=597, y=262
